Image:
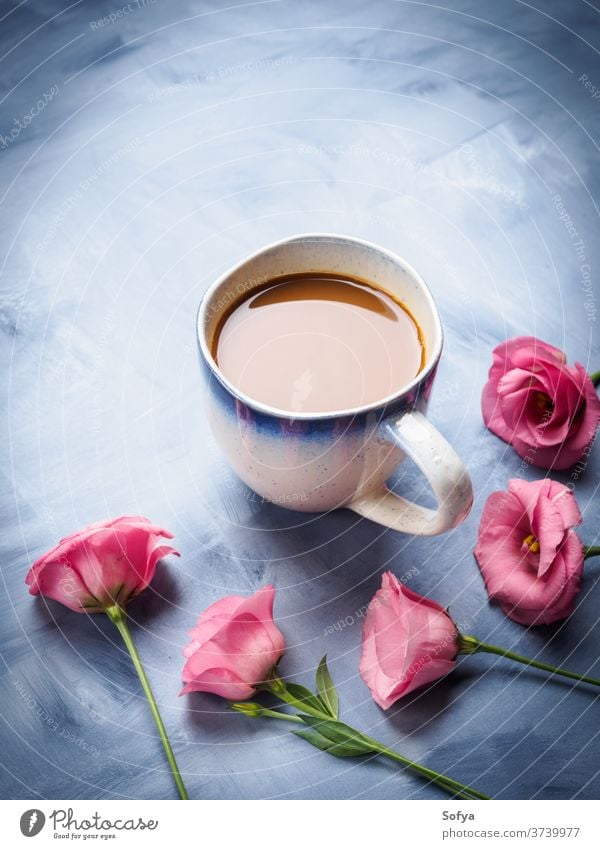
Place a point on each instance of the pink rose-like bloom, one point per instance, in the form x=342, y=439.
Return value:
x=105, y=564
x=408, y=641
x=547, y=410
x=530, y=557
x=235, y=646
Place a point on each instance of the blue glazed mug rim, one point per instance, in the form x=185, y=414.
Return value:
x=433, y=350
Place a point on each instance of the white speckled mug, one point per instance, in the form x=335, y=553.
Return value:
x=342, y=458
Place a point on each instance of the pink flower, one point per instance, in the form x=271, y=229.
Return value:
x=548, y=411
x=408, y=641
x=235, y=646
x=105, y=564
x=530, y=558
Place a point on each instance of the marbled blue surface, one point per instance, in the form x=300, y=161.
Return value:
x=171, y=143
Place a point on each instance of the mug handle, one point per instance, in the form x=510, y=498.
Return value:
x=442, y=467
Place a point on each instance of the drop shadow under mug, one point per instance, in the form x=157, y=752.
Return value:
x=317, y=462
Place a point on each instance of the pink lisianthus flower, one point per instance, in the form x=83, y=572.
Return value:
x=408, y=641
x=530, y=557
x=235, y=646
x=99, y=570
x=105, y=564
x=547, y=410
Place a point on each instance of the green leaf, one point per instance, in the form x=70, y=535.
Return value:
x=247, y=708
x=303, y=695
x=339, y=750
x=339, y=734
x=326, y=688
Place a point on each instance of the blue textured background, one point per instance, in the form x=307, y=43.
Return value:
x=180, y=138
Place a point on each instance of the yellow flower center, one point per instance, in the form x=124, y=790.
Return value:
x=532, y=544
x=543, y=402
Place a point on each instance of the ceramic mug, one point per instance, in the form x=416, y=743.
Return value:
x=343, y=458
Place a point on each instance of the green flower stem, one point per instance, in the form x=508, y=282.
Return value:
x=278, y=688
x=254, y=709
x=463, y=791
x=595, y=378
x=591, y=551
x=118, y=616
x=457, y=788
x=276, y=714
x=470, y=645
